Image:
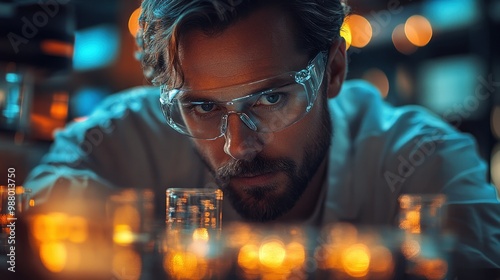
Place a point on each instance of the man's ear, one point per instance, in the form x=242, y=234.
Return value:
x=336, y=67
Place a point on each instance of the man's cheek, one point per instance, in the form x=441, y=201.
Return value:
x=212, y=154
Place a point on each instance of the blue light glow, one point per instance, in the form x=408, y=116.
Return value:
x=96, y=47
x=449, y=86
x=12, y=78
x=446, y=14
x=85, y=100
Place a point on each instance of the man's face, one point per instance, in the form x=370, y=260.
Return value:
x=263, y=174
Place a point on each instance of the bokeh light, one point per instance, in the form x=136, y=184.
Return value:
x=185, y=265
x=272, y=253
x=53, y=255
x=381, y=261
x=122, y=234
x=133, y=22
x=418, y=30
x=379, y=79
x=248, y=257
x=495, y=122
x=85, y=100
x=410, y=221
x=50, y=227
x=410, y=248
x=65, y=242
x=295, y=254
x=200, y=245
x=57, y=48
x=361, y=30
x=356, y=260
x=432, y=269
x=401, y=42
x=200, y=234
x=495, y=166
x=59, y=105
x=127, y=262
x=404, y=83
x=345, y=32
x=77, y=226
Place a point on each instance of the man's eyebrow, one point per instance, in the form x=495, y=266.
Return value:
x=234, y=92
x=192, y=97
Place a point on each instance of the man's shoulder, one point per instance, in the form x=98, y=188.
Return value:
x=369, y=116
x=408, y=148
x=130, y=98
x=127, y=109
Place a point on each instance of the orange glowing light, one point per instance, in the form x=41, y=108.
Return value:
x=345, y=32
x=127, y=214
x=200, y=234
x=133, y=22
x=248, y=257
x=184, y=265
x=432, y=269
x=3, y=219
x=78, y=229
x=379, y=79
x=53, y=255
x=59, y=105
x=361, y=30
x=272, y=253
x=122, y=234
x=128, y=263
x=200, y=245
x=331, y=256
x=381, y=260
x=413, y=220
x=418, y=30
x=295, y=254
x=19, y=190
x=57, y=48
x=239, y=235
x=343, y=233
x=410, y=248
x=401, y=42
x=356, y=260
x=56, y=226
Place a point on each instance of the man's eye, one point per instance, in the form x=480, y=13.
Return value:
x=204, y=108
x=269, y=99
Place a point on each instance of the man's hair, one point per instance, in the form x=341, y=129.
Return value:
x=162, y=22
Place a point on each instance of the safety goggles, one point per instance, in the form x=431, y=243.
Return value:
x=273, y=104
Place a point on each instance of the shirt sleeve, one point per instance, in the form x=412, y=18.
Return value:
x=435, y=158
x=123, y=143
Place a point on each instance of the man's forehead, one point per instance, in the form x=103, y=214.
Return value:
x=256, y=47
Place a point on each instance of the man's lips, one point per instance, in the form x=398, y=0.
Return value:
x=254, y=179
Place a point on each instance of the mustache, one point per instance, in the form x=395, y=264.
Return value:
x=259, y=165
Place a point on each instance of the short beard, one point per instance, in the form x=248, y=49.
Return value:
x=267, y=203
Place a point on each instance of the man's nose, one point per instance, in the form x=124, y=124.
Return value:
x=241, y=142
